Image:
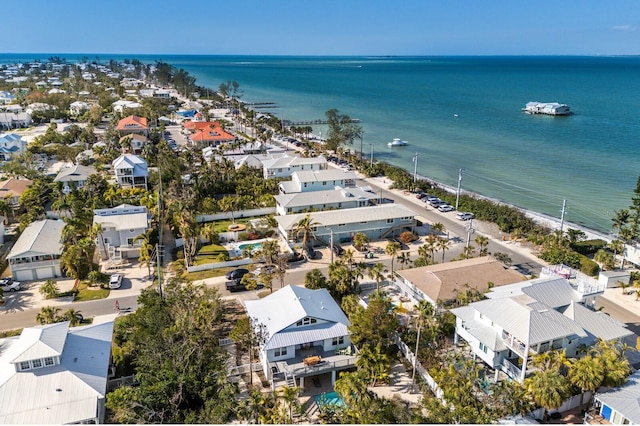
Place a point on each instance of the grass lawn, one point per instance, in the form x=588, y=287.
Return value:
x=210, y=273
x=209, y=254
x=94, y=293
x=223, y=225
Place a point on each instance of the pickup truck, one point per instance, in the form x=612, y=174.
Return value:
x=234, y=285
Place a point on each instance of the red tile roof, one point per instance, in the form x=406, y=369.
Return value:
x=211, y=133
x=132, y=123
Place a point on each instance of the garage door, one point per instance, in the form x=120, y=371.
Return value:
x=44, y=273
x=26, y=275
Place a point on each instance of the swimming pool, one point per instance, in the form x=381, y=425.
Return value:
x=252, y=246
x=329, y=398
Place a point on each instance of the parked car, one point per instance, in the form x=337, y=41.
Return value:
x=8, y=284
x=446, y=208
x=237, y=274
x=115, y=281
x=464, y=216
x=435, y=201
x=269, y=269
x=337, y=249
x=311, y=253
x=420, y=195
x=235, y=285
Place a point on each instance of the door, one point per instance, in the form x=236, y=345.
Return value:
x=606, y=412
x=24, y=275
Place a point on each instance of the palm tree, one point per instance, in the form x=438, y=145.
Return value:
x=548, y=389
x=305, y=227
x=621, y=218
x=404, y=258
x=228, y=204
x=374, y=362
x=468, y=251
x=437, y=228
x=431, y=243
x=281, y=269
x=290, y=396
x=97, y=233
x=352, y=387
x=425, y=254
x=48, y=315
x=360, y=241
x=482, y=242
x=73, y=316
x=425, y=311
x=376, y=272
x=444, y=244
x=587, y=374
x=392, y=249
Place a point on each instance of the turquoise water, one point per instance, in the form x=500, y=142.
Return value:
x=257, y=246
x=590, y=158
x=329, y=398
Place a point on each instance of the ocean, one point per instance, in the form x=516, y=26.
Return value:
x=464, y=113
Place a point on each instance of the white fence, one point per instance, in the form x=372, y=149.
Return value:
x=230, y=263
x=237, y=215
x=437, y=391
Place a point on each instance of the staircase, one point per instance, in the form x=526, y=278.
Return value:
x=290, y=378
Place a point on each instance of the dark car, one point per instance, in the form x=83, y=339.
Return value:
x=237, y=274
x=311, y=253
x=235, y=285
x=338, y=250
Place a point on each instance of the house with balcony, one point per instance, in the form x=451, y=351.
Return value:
x=133, y=125
x=207, y=133
x=11, y=190
x=131, y=171
x=36, y=253
x=120, y=226
x=135, y=142
x=332, y=199
x=376, y=222
x=308, y=338
x=442, y=283
x=11, y=145
x=317, y=180
x=55, y=374
x=74, y=176
x=531, y=317
x=284, y=165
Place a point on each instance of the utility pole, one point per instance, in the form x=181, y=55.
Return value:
x=458, y=191
x=361, y=136
x=331, y=243
x=469, y=232
x=415, y=170
x=371, y=154
x=564, y=211
x=159, y=245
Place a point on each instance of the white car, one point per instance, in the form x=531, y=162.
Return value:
x=464, y=216
x=8, y=284
x=446, y=208
x=115, y=281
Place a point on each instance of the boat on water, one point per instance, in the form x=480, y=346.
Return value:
x=547, y=108
x=398, y=142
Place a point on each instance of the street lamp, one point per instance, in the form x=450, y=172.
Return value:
x=361, y=136
x=415, y=170
x=331, y=244
x=371, y=154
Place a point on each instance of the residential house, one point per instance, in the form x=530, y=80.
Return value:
x=11, y=190
x=36, y=253
x=120, y=226
x=130, y=171
x=207, y=133
x=317, y=180
x=11, y=145
x=78, y=108
x=6, y=97
x=133, y=125
x=120, y=105
x=376, y=222
x=444, y=282
x=74, y=177
x=135, y=141
x=16, y=119
x=531, y=317
x=55, y=374
x=331, y=199
x=285, y=165
x=619, y=406
x=308, y=338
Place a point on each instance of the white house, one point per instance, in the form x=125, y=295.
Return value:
x=74, y=177
x=531, y=317
x=131, y=171
x=79, y=107
x=36, y=254
x=620, y=406
x=120, y=105
x=318, y=180
x=120, y=226
x=307, y=334
x=55, y=374
x=376, y=222
x=285, y=165
x=6, y=97
x=339, y=198
x=11, y=145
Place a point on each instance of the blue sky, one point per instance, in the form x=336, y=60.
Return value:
x=323, y=27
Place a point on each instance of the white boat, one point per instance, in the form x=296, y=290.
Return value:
x=398, y=142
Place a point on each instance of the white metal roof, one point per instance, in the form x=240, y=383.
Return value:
x=75, y=173
x=291, y=304
x=323, y=175
x=289, y=161
x=359, y=214
x=39, y=342
x=625, y=399
x=597, y=323
x=122, y=217
x=301, y=199
x=40, y=237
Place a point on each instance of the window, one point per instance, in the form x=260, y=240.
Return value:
x=37, y=363
x=130, y=241
x=307, y=321
x=49, y=361
x=389, y=220
x=324, y=183
x=25, y=365
x=342, y=224
x=483, y=348
x=280, y=351
x=338, y=341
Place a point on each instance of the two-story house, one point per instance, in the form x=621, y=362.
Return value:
x=131, y=171
x=306, y=335
x=376, y=222
x=285, y=165
x=11, y=145
x=55, y=374
x=135, y=142
x=133, y=124
x=36, y=253
x=120, y=226
x=207, y=133
x=11, y=189
x=520, y=320
x=317, y=180
x=74, y=176
x=332, y=199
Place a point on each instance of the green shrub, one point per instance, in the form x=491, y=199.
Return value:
x=222, y=257
x=588, y=266
x=243, y=236
x=588, y=247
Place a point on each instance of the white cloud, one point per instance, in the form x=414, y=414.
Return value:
x=624, y=28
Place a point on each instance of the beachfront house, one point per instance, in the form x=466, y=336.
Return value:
x=207, y=133
x=317, y=180
x=442, y=283
x=74, y=176
x=618, y=406
x=120, y=226
x=133, y=125
x=130, y=171
x=55, y=374
x=376, y=222
x=531, y=317
x=308, y=338
x=331, y=199
x=36, y=253
x=284, y=165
